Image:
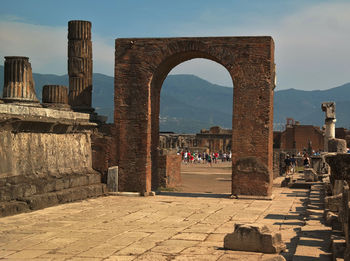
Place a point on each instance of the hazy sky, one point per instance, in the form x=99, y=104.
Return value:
x=311, y=37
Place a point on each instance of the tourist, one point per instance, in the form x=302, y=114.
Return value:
x=185, y=157
x=288, y=164
x=209, y=159
x=306, y=161
x=293, y=162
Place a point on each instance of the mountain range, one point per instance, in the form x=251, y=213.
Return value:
x=189, y=103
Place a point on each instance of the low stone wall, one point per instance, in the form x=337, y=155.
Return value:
x=45, y=158
x=169, y=167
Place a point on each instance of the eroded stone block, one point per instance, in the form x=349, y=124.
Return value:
x=333, y=202
x=310, y=175
x=251, y=177
x=112, y=179
x=337, y=145
x=254, y=238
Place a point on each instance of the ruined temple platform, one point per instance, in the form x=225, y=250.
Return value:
x=187, y=227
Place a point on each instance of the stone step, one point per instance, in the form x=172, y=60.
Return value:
x=44, y=200
x=314, y=239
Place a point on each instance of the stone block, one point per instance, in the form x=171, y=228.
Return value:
x=340, y=166
x=94, y=179
x=42, y=201
x=333, y=202
x=310, y=175
x=250, y=176
x=331, y=218
x=337, y=145
x=112, y=179
x=254, y=238
x=12, y=207
x=338, y=187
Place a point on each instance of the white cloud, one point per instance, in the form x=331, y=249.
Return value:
x=205, y=69
x=312, y=47
x=46, y=47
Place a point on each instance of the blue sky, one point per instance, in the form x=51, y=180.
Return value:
x=312, y=37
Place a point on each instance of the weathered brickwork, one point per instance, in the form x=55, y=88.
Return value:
x=169, y=167
x=141, y=65
x=103, y=149
x=298, y=137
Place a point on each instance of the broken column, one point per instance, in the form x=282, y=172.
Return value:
x=80, y=65
x=18, y=80
x=329, y=109
x=55, y=96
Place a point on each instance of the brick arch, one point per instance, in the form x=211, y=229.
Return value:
x=141, y=65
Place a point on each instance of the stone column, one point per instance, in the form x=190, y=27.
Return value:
x=80, y=65
x=55, y=96
x=18, y=80
x=329, y=109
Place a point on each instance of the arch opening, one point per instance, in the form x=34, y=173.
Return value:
x=191, y=126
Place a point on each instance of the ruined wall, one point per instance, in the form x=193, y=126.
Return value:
x=297, y=137
x=343, y=133
x=40, y=154
x=277, y=168
x=169, y=167
x=45, y=158
x=103, y=150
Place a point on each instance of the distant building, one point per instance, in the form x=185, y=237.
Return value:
x=342, y=133
x=216, y=139
x=298, y=138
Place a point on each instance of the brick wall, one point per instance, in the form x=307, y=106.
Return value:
x=169, y=167
x=103, y=150
x=297, y=137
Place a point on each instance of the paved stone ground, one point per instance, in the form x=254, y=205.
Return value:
x=159, y=228
x=203, y=178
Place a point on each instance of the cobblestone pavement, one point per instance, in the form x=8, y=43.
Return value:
x=151, y=228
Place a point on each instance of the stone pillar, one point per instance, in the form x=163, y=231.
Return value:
x=80, y=65
x=329, y=109
x=18, y=80
x=55, y=96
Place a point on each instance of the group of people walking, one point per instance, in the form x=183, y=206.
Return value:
x=291, y=163
x=198, y=157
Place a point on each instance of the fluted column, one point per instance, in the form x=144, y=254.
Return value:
x=18, y=80
x=55, y=94
x=80, y=65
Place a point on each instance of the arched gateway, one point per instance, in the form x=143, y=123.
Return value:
x=141, y=65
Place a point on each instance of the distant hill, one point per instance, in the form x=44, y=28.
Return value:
x=189, y=103
x=305, y=106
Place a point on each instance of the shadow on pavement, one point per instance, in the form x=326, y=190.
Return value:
x=193, y=195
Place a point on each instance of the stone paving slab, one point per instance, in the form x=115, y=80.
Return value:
x=153, y=228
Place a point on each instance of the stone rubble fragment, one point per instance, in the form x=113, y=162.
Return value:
x=254, y=238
